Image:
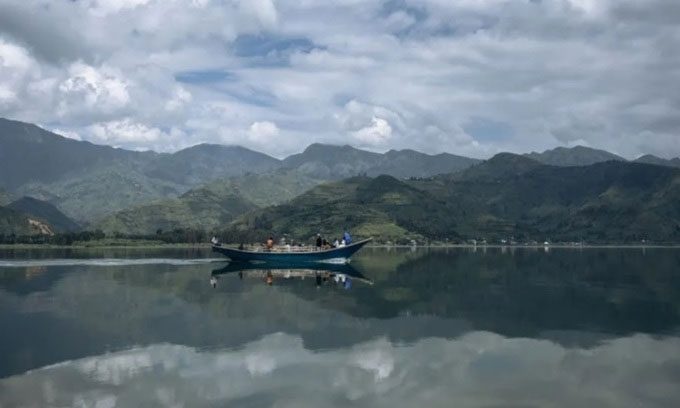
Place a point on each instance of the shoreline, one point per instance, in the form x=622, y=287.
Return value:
x=433, y=246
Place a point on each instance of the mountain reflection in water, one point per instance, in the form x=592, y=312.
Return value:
x=591, y=327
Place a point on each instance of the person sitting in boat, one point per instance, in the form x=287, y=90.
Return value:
x=215, y=241
x=347, y=238
x=342, y=244
x=336, y=243
x=270, y=243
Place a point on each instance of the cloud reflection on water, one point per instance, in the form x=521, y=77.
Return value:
x=477, y=369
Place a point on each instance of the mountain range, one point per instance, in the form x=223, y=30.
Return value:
x=89, y=182
x=507, y=197
x=68, y=184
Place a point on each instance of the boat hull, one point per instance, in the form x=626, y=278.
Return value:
x=331, y=256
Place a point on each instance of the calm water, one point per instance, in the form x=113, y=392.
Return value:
x=431, y=328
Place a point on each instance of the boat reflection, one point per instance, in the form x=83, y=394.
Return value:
x=321, y=274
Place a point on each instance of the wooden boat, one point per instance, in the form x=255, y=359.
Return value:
x=283, y=256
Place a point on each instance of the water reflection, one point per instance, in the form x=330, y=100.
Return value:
x=342, y=275
x=477, y=369
x=525, y=327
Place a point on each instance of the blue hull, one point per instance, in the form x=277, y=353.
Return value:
x=333, y=255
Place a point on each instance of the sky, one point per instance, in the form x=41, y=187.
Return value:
x=469, y=77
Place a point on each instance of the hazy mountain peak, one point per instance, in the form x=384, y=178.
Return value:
x=651, y=159
x=573, y=156
x=500, y=166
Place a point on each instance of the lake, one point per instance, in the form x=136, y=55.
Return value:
x=429, y=327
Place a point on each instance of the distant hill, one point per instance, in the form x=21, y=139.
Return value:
x=651, y=159
x=18, y=223
x=45, y=212
x=331, y=162
x=89, y=182
x=409, y=163
x=91, y=195
x=271, y=188
x=383, y=207
x=574, y=156
x=31, y=154
x=205, y=208
x=605, y=202
x=501, y=166
x=201, y=163
x=14, y=222
x=508, y=196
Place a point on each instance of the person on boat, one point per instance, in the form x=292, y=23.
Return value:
x=325, y=244
x=347, y=238
x=319, y=241
x=336, y=243
x=213, y=282
x=347, y=284
x=270, y=243
x=241, y=247
x=342, y=244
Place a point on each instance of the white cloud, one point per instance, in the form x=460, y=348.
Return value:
x=135, y=135
x=17, y=68
x=263, y=132
x=552, y=72
x=105, y=7
x=14, y=56
x=377, y=133
x=180, y=98
x=93, y=89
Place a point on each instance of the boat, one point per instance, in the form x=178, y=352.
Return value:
x=293, y=255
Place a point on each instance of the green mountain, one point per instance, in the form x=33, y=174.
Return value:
x=651, y=159
x=91, y=195
x=382, y=207
x=574, y=156
x=88, y=181
x=605, y=202
x=508, y=196
x=14, y=222
x=409, y=163
x=271, y=188
x=45, y=212
x=201, y=163
x=28, y=216
x=211, y=206
x=31, y=154
x=330, y=162
x=206, y=208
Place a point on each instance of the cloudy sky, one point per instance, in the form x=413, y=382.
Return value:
x=471, y=77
